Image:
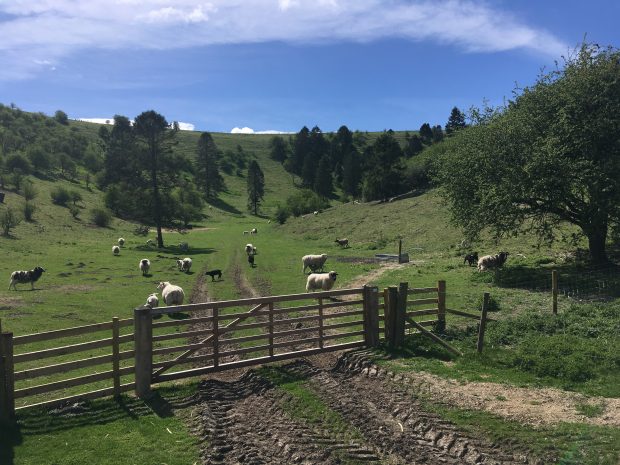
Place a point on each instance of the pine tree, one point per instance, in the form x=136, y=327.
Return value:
x=414, y=146
x=385, y=178
x=208, y=175
x=426, y=133
x=456, y=121
x=278, y=149
x=351, y=173
x=437, y=133
x=295, y=164
x=256, y=186
x=323, y=182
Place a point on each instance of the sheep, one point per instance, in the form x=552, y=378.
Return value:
x=145, y=266
x=471, y=258
x=184, y=246
x=316, y=212
x=492, y=261
x=116, y=249
x=185, y=264
x=342, y=242
x=253, y=231
x=152, y=300
x=323, y=281
x=121, y=241
x=249, y=249
x=23, y=277
x=314, y=262
x=172, y=294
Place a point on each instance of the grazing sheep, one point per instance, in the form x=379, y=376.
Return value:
x=116, y=249
x=316, y=212
x=145, y=266
x=342, y=242
x=251, y=260
x=121, y=241
x=185, y=264
x=471, y=258
x=314, y=262
x=23, y=277
x=322, y=281
x=184, y=246
x=492, y=261
x=172, y=294
x=249, y=248
x=152, y=300
x=213, y=274
x=253, y=231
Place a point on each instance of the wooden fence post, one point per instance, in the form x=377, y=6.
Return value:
x=483, y=322
x=554, y=291
x=7, y=402
x=116, y=357
x=371, y=316
x=271, y=329
x=441, y=306
x=216, y=338
x=320, y=323
x=391, y=314
x=143, y=340
x=401, y=313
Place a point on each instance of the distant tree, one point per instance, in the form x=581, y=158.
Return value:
x=301, y=148
x=352, y=173
x=8, y=220
x=426, y=133
x=385, y=175
x=175, y=126
x=120, y=158
x=323, y=182
x=39, y=158
x=256, y=186
x=30, y=192
x=456, y=121
x=67, y=165
x=437, y=133
x=61, y=117
x=341, y=146
x=278, y=149
x=208, y=175
x=414, y=146
x=17, y=162
x=308, y=173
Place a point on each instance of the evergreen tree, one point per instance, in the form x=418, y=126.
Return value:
x=323, y=183
x=208, y=175
x=278, y=149
x=256, y=186
x=341, y=145
x=385, y=176
x=437, y=133
x=456, y=121
x=426, y=133
x=414, y=146
x=120, y=152
x=301, y=148
x=351, y=173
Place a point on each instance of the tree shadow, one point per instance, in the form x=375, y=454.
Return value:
x=179, y=316
x=219, y=203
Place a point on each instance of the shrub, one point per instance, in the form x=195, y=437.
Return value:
x=74, y=210
x=18, y=162
x=282, y=214
x=30, y=192
x=305, y=201
x=8, y=220
x=101, y=217
x=75, y=197
x=60, y=196
x=142, y=230
x=29, y=209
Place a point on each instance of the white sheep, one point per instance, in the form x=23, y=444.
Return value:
x=152, y=300
x=314, y=262
x=316, y=212
x=121, y=241
x=342, y=242
x=492, y=261
x=253, y=231
x=249, y=248
x=185, y=264
x=116, y=249
x=145, y=266
x=322, y=281
x=172, y=294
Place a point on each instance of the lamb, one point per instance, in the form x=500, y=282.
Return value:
x=23, y=277
x=185, y=264
x=471, y=258
x=323, y=281
x=121, y=241
x=342, y=242
x=253, y=231
x=314, y=262
x=116, y=249
x=145, y=266
x=492, y=261
x=152, y=300
x=172, y=294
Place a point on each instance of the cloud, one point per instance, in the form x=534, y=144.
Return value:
x=51, y=30
x=182, y=126
x=247, y=130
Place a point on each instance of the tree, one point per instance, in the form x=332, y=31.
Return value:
x=323, y=182
x=437, y=134
x=278, y=149
x=120, y=160
x=426, y=133
x=301, y=148
x=208, y=175
x=414, y=146
x=341, y=146
x=352, y=173
x=456, y=121
x=256, y=186
x=551, y=155
x=61, y=117
x=384, y=178
x=8, y=220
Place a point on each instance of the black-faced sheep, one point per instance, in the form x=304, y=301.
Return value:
x=121, y=241
x=471, y=258
x=492, y=261
x=152, y=300
x=322, y=281
x=23, y=277
x=185, y=264
x=172, y=294
x=314, y=262
x=342, y=242
x=249, y=249
x=116, y=249
x=145, y=266
x=253, y=231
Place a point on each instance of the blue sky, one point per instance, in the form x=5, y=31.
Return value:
x=281, y=64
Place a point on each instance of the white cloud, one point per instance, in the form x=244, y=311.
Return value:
x=186, y=126
x=54, y=29
x=247, y=130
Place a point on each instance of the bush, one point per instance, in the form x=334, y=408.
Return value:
x=30, y=192
x=75, y=197
x=18, y=162
x=29, y=209
x=142, y=230
x=8, y=220
x=101, y=217
x=282, y=214
x=60, y=196
x=305, y=201
x=74, y=210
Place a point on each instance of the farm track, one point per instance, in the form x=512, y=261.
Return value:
x=246, y=421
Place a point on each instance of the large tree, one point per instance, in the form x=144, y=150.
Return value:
x=208, y=175
x=278, y=149
x=256, y=186
x=552, y=155
x=456, y=121
x=385, y=175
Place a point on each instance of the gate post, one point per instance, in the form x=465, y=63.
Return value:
x=391, y=315
x=7, y=379
x=143, y=344
x=441, y=306
x=401, y=313
x=371, y=315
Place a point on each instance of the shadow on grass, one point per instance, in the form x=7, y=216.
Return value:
x=219, y=203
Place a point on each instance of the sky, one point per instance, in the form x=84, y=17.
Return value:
x=276, y=65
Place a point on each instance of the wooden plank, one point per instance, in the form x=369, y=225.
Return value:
x=308, y=340
x=425, y=323
x=188, y=321
x=465, y=314
x=216, y=336
x=7, y=403
x=435, y=338
x=343, y=325
x=292, y=332
x=483, y=322
x=343, y=314
x=194, y=359
x=429, y=311
x=421, y=290
x=243, y=339
x=259, y=324
x=371, y=315
x=85, y=396
x=70, y=349
x=256, y=361
x=32, y=373
x=271, y=310
x=170, y=350
x=143, y=330
x=341, y=335
x=246, y=350
x=441, y=305
x=345, y=303
x=434, y=300
x=59, y=333
x=181, y=335
x=320, y=323
x=71, y=382
x=254, y=301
